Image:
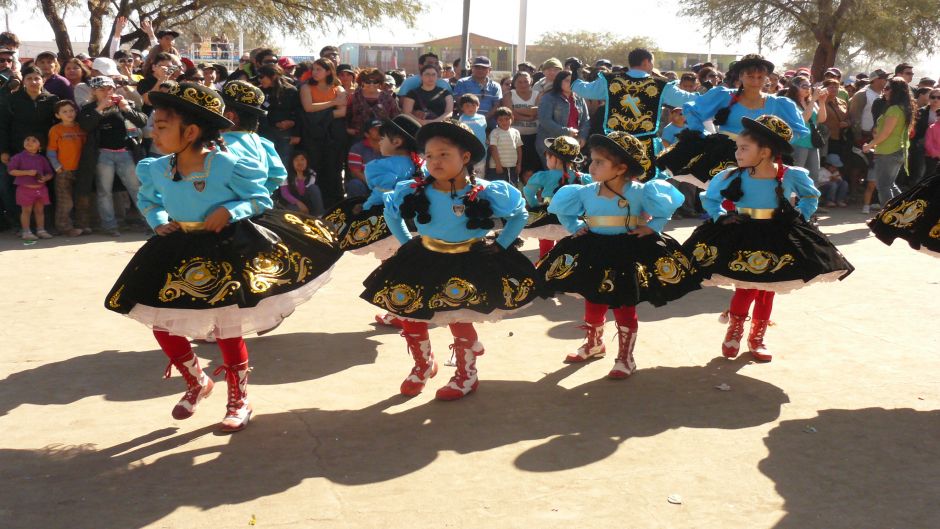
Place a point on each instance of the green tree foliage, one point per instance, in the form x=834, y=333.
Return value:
x=888, y=27
x=257, y=16
x=586, y=45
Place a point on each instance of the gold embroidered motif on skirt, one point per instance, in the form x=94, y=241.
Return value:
x=337, y=218
x=313, y=228
x=399, y=299
x=515, y=291
x=759, y=261
x=201, y=279
x=607, y=284
x=704, y=254
x=455, y=293
x=720, y=167
x=113, y=300
x=642, y=276
x=669, y=271
x=364, y=232
x=904, y=214
x=562, y=267
x=279, y=267
x=934, y=232
x=535, y=216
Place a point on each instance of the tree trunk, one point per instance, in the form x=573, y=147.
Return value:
x=97, y=9
x=825, y=56
x=61, y=32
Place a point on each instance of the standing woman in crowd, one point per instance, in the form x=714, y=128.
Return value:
x=837, y=119
x=927, y=115
x=525, y=118
x=78, y=74
x=428, y=102
x=281, y=125
x=705, y=156
x=890, y=143
x=28, y=111
x=324, y=103
x=369, y=103
x=756, y=241
x=812, y=104
x=561, y=113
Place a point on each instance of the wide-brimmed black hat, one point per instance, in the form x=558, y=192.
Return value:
x=403, y=125
x=164, y=32
x=751, y=60
x=632, y=149
x=773, y=129
x=456, y=132
x=242, y=95
x=565, y=147
x=196, y=99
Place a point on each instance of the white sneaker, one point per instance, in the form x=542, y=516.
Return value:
x=866, y=210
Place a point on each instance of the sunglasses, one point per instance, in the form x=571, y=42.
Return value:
x=934, y=97
x=125, y=61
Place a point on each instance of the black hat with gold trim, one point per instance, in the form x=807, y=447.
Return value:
x=456, y=132
x=242, y=95
x=749, y=61
x=627, y=145
x=404, y=125
x=565, y=147
x=194, y=98
x=772, y=129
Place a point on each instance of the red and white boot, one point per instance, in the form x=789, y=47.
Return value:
x=238, y=410
x=198, y=385
x=419, y=345
x=465, y=379
x=388, y=320
x=755, y=341
x=624, y=366
x=593, y=346
x=732, y=344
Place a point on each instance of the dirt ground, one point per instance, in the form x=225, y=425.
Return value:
x=841, y=430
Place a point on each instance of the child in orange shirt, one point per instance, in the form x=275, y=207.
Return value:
x=66, y=140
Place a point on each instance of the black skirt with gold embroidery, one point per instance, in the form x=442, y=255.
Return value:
x=243, y=280
x=360, y=231
x=619, y=270
x=543, y=225
x=773, y=254
x=418, y=283
x=701, y=157
x=913, y=216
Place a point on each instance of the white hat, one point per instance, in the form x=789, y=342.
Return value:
x=106, y=66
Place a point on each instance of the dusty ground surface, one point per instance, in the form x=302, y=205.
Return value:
x=842, y=430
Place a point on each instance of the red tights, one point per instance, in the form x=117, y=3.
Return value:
x=464, y=331
x=234, y=351
x=595, y=314
x=545, y=246
x=763, y=301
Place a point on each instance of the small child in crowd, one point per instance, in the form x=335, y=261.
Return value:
x=675, y=126
x=834, y=188
x=32, y=171
x=300, y=191
x=469, y=105
x=506, y=155
x=66, y=140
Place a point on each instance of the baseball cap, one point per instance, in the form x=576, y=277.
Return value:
x=286, y=62
x=551, y=63
x=105, y=65
x=42, y=54
x=482, y=61
x=345, y=68
x=835, y=71
x=878, y=74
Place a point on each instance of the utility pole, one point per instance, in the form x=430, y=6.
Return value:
x=520, y=49
x=465, y=44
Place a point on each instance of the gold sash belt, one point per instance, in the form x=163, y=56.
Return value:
x=614, y=221
x=439, y=246
x=757, y=213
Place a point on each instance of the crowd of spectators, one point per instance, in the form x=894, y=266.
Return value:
x=89, y=118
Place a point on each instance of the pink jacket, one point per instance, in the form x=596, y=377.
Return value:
x=932, y=140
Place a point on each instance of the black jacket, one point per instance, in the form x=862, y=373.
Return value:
x=21, y=115
x=282, y=104
x=88, y=119
x=923, y=121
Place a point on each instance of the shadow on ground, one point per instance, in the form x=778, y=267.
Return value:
x=860, y=468
x=138, y=375
x=56, y=485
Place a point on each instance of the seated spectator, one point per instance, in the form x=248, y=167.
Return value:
x=834, y=188
x=362, y=152
x=415, y=81
x=55, y=84
x=369, y=102
x=428, y=102
x=300, y=191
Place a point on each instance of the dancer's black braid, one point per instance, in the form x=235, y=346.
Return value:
x=734, y=192
x=479, y=211
x=721, y=117
x=417, y=205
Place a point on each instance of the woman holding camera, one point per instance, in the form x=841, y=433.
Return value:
x=106, y=152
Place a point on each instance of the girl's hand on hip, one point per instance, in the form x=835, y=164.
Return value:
x=217, y=220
